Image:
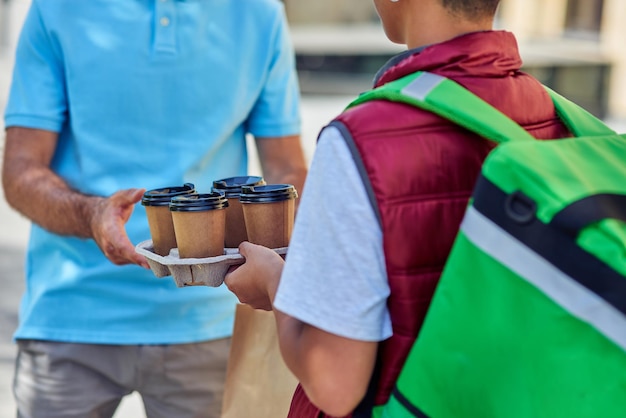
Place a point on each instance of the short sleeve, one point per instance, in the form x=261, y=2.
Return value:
x=335, y=277
x=277, y=110
x=37, y=96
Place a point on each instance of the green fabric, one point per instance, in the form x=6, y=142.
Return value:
x=606, y=241
x=577, y=119
x=495, y=344
x=482, y=317
x=558, y=173
x=453, y=102
x=444, y=100
x=393, y=409
x=553, y=173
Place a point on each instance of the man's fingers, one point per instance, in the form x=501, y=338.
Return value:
x=127, y=255
x=108, y=227
x=136, y=195
x=129, y=196
x=141, y=261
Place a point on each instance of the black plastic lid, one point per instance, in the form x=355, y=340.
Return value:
x=232, y=186
x=162, y=196
x=198, y=202
x=267, y=193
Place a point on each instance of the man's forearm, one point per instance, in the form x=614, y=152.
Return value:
x=294, y=175
x=45, y=199
x=35, y=191
x=282, y=160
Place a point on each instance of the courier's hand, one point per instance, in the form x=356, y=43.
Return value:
x=108, y=218
x=255, y=282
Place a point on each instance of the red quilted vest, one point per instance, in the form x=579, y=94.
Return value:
x=421, y=171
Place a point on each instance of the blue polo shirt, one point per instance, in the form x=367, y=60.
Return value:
x=143, y=93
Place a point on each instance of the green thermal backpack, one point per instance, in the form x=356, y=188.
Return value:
x=529, y=317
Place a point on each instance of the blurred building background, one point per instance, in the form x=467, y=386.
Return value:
x=577, y=47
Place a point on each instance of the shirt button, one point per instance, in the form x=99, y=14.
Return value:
x=165, y=21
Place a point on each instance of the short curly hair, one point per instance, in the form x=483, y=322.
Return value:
x=472, y=9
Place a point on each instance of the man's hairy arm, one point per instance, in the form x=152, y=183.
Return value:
x=34, y=190
x=282, y=160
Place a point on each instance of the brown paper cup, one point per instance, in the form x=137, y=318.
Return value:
x=161, y=229
x=199, y=224
x=269, y=224
x=269, y=213
x=200, y=234
x=235, y=223
x=157, y=203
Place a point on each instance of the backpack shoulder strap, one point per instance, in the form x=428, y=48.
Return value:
x=454, y=102
x=451, y=101
x=579, y=121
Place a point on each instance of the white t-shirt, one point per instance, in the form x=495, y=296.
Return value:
x=335, y=277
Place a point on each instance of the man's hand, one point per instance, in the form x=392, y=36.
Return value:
x=52, y=204
x=255, y=282
x=107, y=221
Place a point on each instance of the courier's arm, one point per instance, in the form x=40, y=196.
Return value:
x=34, y=190
x=334, y=371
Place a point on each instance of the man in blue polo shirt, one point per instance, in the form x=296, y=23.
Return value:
x=109, y=98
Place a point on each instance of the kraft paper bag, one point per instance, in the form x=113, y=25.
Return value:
x=258, y=383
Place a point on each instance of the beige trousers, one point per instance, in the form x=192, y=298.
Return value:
x=68, y=380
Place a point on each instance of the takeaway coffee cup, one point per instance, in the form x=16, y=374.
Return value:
x=157, y=203
x=269, y=213
x=199, y=224
x=235, y=224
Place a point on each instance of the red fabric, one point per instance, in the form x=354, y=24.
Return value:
x=422, y=170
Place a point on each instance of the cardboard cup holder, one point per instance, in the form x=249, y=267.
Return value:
x=208, y=271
